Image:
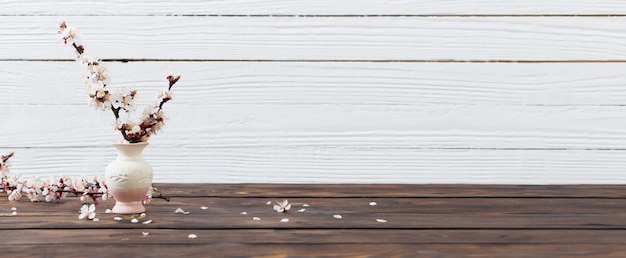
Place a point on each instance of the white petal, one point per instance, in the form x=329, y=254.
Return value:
x=142, y=215
x=145, y=233
x=192, y=236
x=84, y=208
x=13, y=208
x=244, y=213
x=204, y=207
x=288, y=207
x=179, y=210
x=134, y=220
x=82, y=216
x=268, y=203
x=256, y=218
x=337, y=216
x=92, y=207
x=306, y=205
x=13, y=213
x=96, y=219
x=373, y=204
x=302, y=210
x=147, y=221
x=284, y=220
x=92, y=215
x=108, y=211
x=117, y=219
x=381, y=220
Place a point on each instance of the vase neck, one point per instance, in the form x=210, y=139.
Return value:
x=129, y=151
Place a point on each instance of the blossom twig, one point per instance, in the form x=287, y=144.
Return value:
x=132, y=130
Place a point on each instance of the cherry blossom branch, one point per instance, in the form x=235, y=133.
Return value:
x=58, y=191
x=152, y=118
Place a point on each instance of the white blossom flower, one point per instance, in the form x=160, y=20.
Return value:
x=282, y=206
x=165, y=95
x=105, y=194
x=88, y=212
x=135, y=129
x=148, y=198
x=67, y=35
x=34, y=194
x=16, y=194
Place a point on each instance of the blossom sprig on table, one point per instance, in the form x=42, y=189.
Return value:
x=51, y=189
x=57, y=188
x=133, y=129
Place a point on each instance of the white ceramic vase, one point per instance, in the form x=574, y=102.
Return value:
x=128, y=178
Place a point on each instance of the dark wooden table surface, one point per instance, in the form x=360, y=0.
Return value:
x=331, y=220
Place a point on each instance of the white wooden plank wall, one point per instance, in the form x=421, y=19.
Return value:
x=326, y=91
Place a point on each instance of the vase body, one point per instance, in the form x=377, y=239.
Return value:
x=128, y=178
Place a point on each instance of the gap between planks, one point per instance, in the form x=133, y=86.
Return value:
x=323, y=60
x=333, y=15
x=392, y=190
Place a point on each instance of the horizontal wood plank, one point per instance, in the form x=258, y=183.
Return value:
x=340, y=165
x=315, y=236
x=328, y=83
x=337, y=250
x=309, y=7
x=330, y=126
x=348, y=206
x=238, y=213
x=303, y=38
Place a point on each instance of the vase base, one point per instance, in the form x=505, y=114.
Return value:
x=128, y=207
x=128, y=201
